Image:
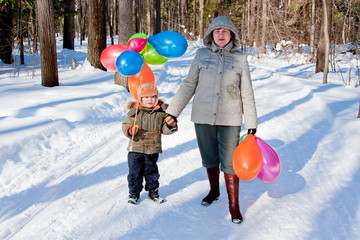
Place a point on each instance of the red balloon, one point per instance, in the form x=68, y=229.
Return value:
x=145, y=75
x=137, y=44
x=247, y=159
x=110, y=54
x=271, y=167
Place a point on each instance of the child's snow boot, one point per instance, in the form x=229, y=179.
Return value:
x=133, y=198
x=154, y=196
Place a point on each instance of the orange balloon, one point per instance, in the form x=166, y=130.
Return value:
x=145, y=75
x=247, y=159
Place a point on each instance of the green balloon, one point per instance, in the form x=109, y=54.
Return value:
x=151, y=56
x=138, y=35
x=242, y=137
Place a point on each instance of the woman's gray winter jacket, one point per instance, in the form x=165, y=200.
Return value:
x=219, y=79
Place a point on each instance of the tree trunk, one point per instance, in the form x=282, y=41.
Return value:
x=49, y=67
x=149, y=18
x=194, y=27
x=97, y=32
x=82, y=19
x=264, y=26
x=257, y=30
x=312, y=31
x=125, y=31
x=139, y=14
x=157, y=17
x=69, y=27
x=6, y=38
x=322, y=59
x=34, y=30
x=326, y=6
x=201, y=18
x=110, y=19
x=21, y=34
x=251, y=23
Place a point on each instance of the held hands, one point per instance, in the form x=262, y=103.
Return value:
x=252, y=131
x=133, y=129
x=171, y=122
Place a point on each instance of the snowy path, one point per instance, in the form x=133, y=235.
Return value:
x=70, y=180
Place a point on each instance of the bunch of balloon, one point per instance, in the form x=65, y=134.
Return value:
x=271, y=166
x=131, y=60
x=246, y=160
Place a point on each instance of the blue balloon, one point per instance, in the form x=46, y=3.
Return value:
x=169, y=44
x=129, y=63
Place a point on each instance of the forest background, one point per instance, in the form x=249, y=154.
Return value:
x=279, y=24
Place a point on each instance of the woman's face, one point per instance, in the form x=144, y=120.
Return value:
x=221, y=36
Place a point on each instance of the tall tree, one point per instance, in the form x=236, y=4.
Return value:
x=322, y=58
x=69, y=26
x=327, y=5
x=201, y=18
x=49, y=70
x=126, y=30
x=257, y=28
x=149, y=17
x=83, y=6
x=157, y=16
x=21, y=33
x=111, y=18
x=139, y=23
x=312, y=30
x=264, y=26
x=252, y=22
x=6, y=38
x=96, y=31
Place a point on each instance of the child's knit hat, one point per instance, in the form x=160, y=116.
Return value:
x=147, y=89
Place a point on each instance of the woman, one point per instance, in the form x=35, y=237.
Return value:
x=219, y=80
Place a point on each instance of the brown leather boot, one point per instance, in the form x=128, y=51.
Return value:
x=214, y=193
x=232, y=187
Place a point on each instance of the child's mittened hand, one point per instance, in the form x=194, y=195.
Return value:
x=133, y=129
x=170, y=121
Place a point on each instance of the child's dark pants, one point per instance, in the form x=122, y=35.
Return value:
x=142, y=165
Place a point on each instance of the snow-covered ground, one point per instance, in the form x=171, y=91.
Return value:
x=63, y=158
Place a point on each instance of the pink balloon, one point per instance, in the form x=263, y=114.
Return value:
x=110, y=54
x=271, y=167
x=137, y=44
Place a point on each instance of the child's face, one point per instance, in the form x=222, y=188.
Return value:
x=148, y=101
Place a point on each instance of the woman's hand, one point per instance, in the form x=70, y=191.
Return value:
x=252, y=131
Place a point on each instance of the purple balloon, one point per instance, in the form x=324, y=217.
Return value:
x=271, y=167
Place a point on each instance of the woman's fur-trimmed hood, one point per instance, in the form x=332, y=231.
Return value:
x=221, y=22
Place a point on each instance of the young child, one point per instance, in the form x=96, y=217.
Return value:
x=144, y=124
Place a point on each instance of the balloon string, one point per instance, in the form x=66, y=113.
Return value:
x=133, y=134
x=136, y=113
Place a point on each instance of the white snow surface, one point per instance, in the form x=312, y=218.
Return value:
x=63, y=157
